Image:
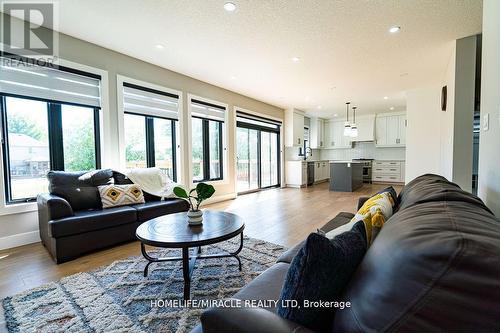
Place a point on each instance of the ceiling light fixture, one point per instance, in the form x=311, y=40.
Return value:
x=394, y=29
x=391, y=108
x=335, y=115
x=320, y=107
x=347, y=126
x=385, y=97
x=229, y=7
x=354, y=128
x=159, y=46
x=296, y=59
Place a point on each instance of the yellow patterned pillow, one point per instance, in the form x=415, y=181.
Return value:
x=374, y=213
x=120, y=195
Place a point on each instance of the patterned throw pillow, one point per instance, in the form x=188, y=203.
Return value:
x=319, y=273
x=374, y=213
x=120, y=195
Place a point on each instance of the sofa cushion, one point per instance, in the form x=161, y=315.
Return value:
x=340, y=220
x=432, y=188
x=266, y=286
x=120, y=195
x=152, y=209
x=91, y=220
x=320, y=272
x=433, y=267
x=79, y=188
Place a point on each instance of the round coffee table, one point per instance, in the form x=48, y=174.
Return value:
x=173, y=231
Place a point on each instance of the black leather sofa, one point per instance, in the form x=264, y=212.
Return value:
x=434, y=267
x=72, y=221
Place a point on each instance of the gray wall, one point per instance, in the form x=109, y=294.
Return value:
x=489, y=142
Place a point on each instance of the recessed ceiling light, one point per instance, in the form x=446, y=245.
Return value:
x=391, y=108
x=385, y=97
x=394, y=29
x=320, y=107
x=336, y=115
x=233, y=77
x=229, y=6
x=159, y=46
x=295, y=59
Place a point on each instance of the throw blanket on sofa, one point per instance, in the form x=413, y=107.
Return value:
x=153, y=181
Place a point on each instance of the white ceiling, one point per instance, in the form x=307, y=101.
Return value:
x=345, y=49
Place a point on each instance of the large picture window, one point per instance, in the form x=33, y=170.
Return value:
x=206, y=138
x=150, y=123
x=50, y=121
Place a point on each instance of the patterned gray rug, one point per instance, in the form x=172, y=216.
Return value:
x=117, y=298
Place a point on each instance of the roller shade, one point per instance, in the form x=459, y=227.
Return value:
x=49, y=83
x=150, y=102
x=246, y=118
x=207, y=110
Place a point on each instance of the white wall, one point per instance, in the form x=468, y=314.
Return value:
x=446, y=119
x=423, y=134
x=489, y=143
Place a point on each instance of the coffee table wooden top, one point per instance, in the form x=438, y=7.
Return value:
x=173, y=230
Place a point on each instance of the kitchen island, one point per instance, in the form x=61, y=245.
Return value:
x=346, y=176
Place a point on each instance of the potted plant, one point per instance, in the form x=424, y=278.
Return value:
x=196, y=196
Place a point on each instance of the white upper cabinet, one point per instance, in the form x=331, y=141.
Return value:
x=366, y=128
x=294, y=128
x=334, y=135
x=317, y=133
x=390, y=130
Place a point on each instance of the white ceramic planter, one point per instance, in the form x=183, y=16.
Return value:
x=195, y=217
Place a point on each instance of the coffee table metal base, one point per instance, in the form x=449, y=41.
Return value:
x=188, y=262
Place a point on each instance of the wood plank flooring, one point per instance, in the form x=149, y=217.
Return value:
x=283, y=216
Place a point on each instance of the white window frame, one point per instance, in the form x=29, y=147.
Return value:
x=120, y=79
x=225, y=174
x=105, y=137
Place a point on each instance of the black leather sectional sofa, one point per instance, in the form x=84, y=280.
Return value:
x=72, y=221
x=434, y=267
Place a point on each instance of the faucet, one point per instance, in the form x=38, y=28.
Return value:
x=306, y=150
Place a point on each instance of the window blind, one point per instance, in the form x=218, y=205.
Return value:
x=49, y=83
x=150, y=102
x=207, y=110
x=256, y=120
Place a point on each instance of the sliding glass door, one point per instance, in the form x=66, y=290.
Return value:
x=247, y=174
x=257, y=158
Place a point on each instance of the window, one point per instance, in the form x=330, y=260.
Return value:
x=207, y=126
x=150, y=122
x=50, y=121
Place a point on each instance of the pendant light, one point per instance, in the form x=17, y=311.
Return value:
x=354, y=128
x=347, y=126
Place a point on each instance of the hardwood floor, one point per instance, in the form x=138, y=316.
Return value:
x=283, y=216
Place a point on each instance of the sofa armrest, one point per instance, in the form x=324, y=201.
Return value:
x=361, y=201
x=55, y=206
x=247, y=320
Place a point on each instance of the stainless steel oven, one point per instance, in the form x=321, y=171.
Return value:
x=367, y=169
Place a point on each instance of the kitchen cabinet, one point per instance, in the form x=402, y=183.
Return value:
x=317, y=133
x=390, y=130
x=388, y=171
x=366, y=128
x=334, y=135
x=296, y=173
x=321, y=171
x=294, y=128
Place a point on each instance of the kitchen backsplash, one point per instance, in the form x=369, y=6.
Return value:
x=364, y=150
x=292, y=154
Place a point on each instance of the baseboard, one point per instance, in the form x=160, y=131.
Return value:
x=19, y=239
x=219, y=198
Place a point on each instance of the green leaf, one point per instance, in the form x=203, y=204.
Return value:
x=180, y=192
x=204, y=191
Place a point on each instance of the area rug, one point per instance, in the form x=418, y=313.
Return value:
x=117, y=298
